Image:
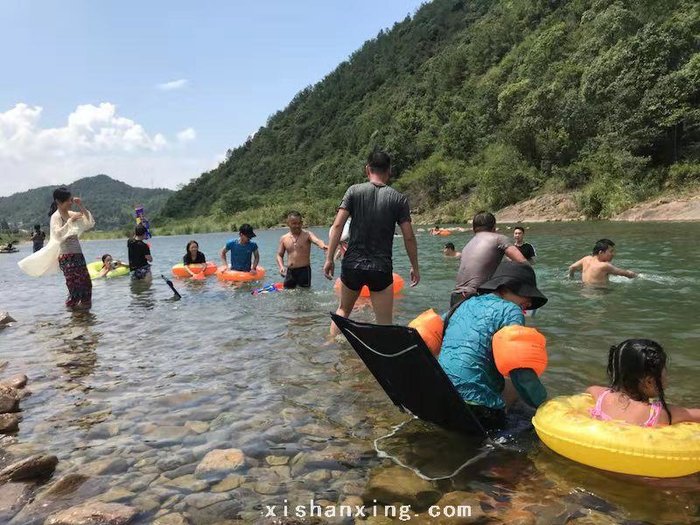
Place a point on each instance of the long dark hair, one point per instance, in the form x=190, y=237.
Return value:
x=187, y=250
x=632, y=361
x=61, y=194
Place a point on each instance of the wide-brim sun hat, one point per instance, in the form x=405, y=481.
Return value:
x=519, y=278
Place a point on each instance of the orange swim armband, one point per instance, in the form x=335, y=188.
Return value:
x=518, y=346
x=430, y=326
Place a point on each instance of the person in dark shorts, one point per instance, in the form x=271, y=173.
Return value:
x=297, y=245
x=527, y=249
x=375, y=209
x=139, y=255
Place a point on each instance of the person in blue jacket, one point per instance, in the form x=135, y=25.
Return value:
x=466, y=355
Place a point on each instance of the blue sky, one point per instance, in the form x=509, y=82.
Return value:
x=155, y=92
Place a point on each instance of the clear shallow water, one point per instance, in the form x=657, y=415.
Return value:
x=144, y=386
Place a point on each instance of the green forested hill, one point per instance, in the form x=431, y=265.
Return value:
x=111, y=202
x=482, y=103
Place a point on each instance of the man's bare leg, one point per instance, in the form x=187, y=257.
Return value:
x=383, y=304
x=348, y=298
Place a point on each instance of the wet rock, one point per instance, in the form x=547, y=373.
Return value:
x=203, y=500
x=34, y=467
x=145, y=504
x=229, y=483
x=105, y=466
x=187, y=482
x=104, y=431
x=197, y=426
x=267, y=487
x=17, y=381
x=216, y=513
x=276, y=461
x=64, y=486
x=13, y=496
x=174, y=518
x=9, y=399
x=115, y=494
x=391, y=484
x=219, y=463
x=5, y=319
x=9, y=423
x=521, y=517
x=166, y=436
x=94, y=513
x=593, y=517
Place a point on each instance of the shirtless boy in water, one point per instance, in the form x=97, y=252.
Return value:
x=297, y=244
x=596, y=268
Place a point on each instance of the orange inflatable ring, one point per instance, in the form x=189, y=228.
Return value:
x=364, y=291
x=234, y=275
x=208, y=268
x=518, y=346
x=444, y=233
x=430, y=327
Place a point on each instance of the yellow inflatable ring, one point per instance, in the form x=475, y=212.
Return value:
x=234, y=275
x=180, y=271
x=94, y=269
x=564, y=424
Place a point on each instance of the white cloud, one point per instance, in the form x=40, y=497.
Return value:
x=187, y=135
x=173, y=85
x=94, y=139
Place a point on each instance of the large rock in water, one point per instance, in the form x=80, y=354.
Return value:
x=38, y=466
x=9, y=399
x=16, y=381
x=9, y=423
x=397, y=484
x=219, y=463
x=94, y=513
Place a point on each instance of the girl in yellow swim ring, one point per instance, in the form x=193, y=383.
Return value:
x=637, y=373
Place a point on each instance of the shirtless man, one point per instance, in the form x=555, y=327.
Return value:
x=596, y=268
x=297, y=244
x=449, y=250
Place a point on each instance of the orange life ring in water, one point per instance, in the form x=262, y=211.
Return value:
x=235, y=275
x=444, y=233
x=209, y=268
x=518, y=346
x=364, y=291
x=430, y=327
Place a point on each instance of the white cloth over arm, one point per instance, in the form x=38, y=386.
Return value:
x=45, y=261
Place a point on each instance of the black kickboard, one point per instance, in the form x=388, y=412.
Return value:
x=412, y=378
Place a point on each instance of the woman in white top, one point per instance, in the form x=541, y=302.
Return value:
x=65, y=226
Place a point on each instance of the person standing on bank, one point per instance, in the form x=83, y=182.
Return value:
x=375, y=209
x=481, y=256
x=38, y=238
x=65, y=226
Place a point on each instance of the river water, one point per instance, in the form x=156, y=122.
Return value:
x=136, y=392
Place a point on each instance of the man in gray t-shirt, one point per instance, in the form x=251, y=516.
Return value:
x=481, y=256
x=375, y=209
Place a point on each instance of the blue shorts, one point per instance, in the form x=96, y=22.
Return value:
x=141, y=273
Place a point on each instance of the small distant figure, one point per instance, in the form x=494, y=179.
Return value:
x=38, y=238
x=596, y=268
x=638, y=377
x=449, y=250
x=435, y=231
x=242, y=250
x=193, y=256
x=109, y=264
x=140, y=258
x=297, y=245
x=527, y=249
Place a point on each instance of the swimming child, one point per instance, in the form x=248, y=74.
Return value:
x=241, y=251
x=193, y=256
x=139, y=255
x=596, y=268
x=297, y=245
x=109, y=264
x=449, y=250
x=637, y=373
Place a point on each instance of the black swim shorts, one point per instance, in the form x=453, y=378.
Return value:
x=298, y=277
x=375, y=280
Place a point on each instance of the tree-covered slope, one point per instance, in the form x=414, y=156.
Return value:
x=111, y=202
x=485, y=102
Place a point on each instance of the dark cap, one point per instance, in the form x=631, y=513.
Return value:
x=519, y=278
x=247, y=230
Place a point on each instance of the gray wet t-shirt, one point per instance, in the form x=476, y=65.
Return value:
x=480, y=257
x=375, y=211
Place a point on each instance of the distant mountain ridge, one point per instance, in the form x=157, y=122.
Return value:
x=111, y=201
